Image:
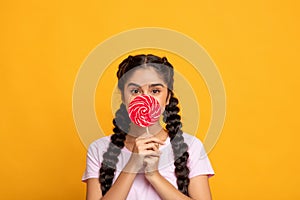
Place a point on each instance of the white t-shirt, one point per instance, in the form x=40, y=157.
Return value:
x=198, y=164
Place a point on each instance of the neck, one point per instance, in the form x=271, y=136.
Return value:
x=154, y=130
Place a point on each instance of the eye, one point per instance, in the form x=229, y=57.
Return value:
x=155, y=91
x=135, y=91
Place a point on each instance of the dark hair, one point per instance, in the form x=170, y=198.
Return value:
x=122, y=121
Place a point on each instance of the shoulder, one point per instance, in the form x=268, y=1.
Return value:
x=191, y=140
x=198, y=162
x=194, y=144
x=101, y=143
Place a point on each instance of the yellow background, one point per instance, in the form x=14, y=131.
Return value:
x=255, y=45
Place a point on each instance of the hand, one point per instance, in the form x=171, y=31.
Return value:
x=151, y=161
x=144, y=148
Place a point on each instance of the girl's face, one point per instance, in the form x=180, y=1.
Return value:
x=146, y=81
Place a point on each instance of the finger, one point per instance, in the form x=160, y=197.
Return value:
x=156, y=147
x=150, y=139
x=151, y=146
x=147, y=153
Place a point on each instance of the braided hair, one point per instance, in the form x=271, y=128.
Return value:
x=122, y=121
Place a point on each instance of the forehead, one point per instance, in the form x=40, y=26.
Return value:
x=143, y=76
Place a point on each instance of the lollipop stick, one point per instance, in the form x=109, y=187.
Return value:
x=147, y=129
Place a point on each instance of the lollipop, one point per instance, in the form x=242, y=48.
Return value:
x=144, y=110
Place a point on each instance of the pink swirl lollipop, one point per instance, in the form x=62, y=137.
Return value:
x=144, y=110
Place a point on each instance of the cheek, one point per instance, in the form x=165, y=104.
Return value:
x=162, y=101
x=127, y=99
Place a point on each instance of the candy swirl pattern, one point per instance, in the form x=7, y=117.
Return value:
x=144, y=110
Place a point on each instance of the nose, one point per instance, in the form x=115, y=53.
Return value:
x=145, y=89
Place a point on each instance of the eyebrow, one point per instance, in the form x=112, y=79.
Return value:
x=152, y=85
x=133, y=84
x=156, y=84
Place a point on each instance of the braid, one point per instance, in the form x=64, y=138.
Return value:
x=110, y=157
x=173, y=125
x=122, y=121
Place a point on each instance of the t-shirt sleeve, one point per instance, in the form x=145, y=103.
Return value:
x=198, y=162
x=93, y=161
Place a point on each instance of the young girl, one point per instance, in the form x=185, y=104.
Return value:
x=147, y=163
